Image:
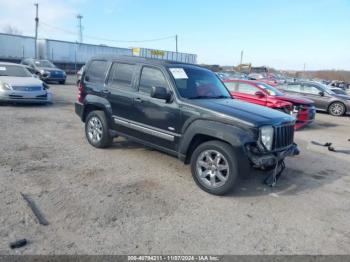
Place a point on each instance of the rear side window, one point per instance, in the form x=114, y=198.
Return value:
x=97, y=71
x=151, y=77
x=121, y=75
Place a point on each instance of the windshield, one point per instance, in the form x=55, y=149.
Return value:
x=44, y=63
x=13, y=70
x=197, y=83
x=270, y=90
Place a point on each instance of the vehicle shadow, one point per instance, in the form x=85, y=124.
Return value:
x=296, y=179
x=24, y=105
x=293, y=181
x=122, y=144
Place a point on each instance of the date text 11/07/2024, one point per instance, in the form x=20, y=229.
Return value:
x=173, y=258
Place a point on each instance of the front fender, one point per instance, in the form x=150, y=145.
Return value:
x=233, y=135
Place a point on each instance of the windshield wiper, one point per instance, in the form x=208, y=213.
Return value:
x=221, y=96
x=199, y=97
x=208, y=97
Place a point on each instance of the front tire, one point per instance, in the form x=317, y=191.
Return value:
x=214, y=167
x=337, y=109
x=96, y=130
x=62, y=82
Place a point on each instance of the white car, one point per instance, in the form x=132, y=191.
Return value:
x=18, y=85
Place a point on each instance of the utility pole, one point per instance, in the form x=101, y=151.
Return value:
x=36, y=30
x=79, y=17
x=176, y=42
x=240, y=64
x=241, y=57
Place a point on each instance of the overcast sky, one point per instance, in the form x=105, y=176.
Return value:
x=282, y=34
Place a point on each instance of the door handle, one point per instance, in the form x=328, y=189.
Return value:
x=138, y=100
x=106, y=91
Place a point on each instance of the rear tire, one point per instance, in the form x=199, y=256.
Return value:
x=96, y=129
x=214, y=167
x=336, y=109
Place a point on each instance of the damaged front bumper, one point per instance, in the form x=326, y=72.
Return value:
x=271, y=160
x=268, y=160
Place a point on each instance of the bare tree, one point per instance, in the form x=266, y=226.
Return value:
x=9, y=29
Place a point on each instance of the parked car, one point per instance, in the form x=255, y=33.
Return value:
x=262, y=78
x=339, y=84
x=338, y=90
x=17, y=84
x=230, y=75
x=324, y=98
x=186, y=111
x=260, y=93
x=46, y=70
x=79, y=74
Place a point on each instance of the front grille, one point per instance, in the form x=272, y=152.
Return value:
x=27, y=88
x=284, y=136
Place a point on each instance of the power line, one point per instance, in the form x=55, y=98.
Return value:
x=106, y=39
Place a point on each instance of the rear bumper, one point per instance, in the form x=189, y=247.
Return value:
x=79, y=110
x=268, y=160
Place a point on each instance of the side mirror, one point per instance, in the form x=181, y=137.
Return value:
x=259, y=94
x=87, y=78
x=160, y=93
x=321, y=93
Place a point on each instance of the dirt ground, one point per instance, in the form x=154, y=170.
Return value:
x=129, y=199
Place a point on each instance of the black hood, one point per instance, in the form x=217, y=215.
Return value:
x=244, y=112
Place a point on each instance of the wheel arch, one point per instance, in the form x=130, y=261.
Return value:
x=93, y=103
x=202, y=131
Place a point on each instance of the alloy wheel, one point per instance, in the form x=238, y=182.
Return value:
x=95, y=129
x=337, y=109
x=212, y=168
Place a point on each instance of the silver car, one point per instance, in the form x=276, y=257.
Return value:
x=17, y=84
x=324, y=98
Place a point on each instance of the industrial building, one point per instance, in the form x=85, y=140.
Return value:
x=70, y=56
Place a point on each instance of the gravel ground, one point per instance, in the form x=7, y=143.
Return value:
x=130, y=199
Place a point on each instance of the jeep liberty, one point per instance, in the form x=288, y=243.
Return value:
x=186, y=111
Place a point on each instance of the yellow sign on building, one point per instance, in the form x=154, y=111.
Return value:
x=136, y=51
x=157, y=52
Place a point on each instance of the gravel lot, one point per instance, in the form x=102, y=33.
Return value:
x=130, y=199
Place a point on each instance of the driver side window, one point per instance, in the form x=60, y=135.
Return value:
x=247, y=89
x=151, y=77
x=308, y=89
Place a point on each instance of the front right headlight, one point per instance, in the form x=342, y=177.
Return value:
x=44, y=72
x=266, y=136
x=5, y=86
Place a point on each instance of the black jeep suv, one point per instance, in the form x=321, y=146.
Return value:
x=186, y=111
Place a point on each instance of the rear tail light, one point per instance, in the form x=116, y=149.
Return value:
x=81, y=93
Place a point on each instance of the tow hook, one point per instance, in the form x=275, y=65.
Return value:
x=272, y=179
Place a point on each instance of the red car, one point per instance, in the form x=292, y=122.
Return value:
x=263, y=94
